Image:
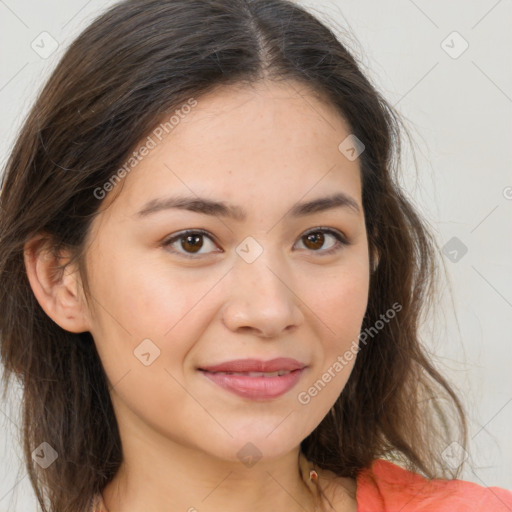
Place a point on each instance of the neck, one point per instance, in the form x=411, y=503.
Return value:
x=180, y=478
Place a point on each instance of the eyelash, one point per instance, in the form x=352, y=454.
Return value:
x=340, y=239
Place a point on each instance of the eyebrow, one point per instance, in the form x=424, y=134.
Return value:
x=222, y=209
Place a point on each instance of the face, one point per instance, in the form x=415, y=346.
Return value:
x=261, y=277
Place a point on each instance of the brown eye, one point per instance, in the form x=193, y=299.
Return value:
x=315, y=240
x=190, y=243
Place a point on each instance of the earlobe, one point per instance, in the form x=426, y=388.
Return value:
x=374, y=251
x=55, y=289
x=376, y=260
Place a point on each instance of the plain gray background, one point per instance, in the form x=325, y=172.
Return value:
x=457, y=101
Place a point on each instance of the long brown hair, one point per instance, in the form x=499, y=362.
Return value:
x=136, y=62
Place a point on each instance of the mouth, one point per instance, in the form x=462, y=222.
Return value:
x=254, y=379
x=279, y=364
x=279, y=373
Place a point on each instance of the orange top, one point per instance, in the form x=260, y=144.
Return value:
x=387, y=487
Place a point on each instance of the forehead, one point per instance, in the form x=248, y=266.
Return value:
x=265, y=143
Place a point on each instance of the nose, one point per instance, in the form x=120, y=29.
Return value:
x=262, y=299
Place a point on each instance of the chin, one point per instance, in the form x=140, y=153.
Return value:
x=251, y=443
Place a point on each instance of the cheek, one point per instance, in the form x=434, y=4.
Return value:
x=341, y=305
x=342, y=300
x=167, y=307
x=150, y=299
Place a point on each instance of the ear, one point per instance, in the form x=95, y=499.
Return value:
x=375, y=252
x=375, y=261
x=56, y=290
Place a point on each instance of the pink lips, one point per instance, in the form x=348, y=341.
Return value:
x=240, y=376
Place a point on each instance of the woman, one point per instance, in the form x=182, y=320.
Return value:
x=220, y=281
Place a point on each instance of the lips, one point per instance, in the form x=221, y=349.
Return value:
x=255, y=379
x=285, y=364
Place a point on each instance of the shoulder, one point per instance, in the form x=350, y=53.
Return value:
x=388, y=487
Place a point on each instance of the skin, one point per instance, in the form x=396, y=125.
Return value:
x=263, y=147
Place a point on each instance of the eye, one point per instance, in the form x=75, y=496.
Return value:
x=192, y=241
x=315, y=239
